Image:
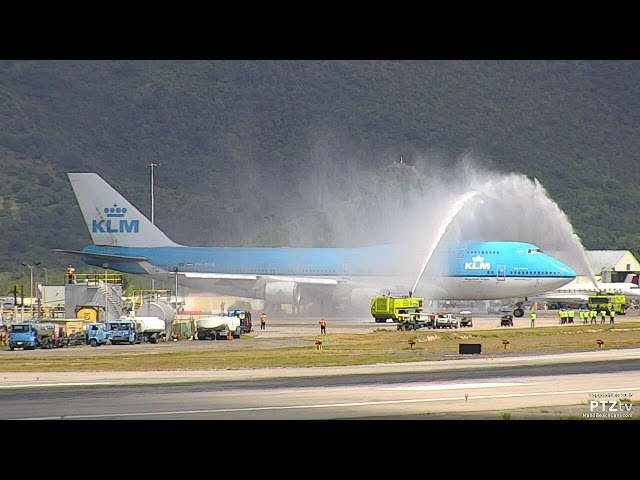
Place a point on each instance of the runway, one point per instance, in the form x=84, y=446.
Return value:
x=478, y=388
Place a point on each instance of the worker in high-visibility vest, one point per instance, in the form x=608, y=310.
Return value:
x=323, y=325
x=533, y=316
x=70, y=272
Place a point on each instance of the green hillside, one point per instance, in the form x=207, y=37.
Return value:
x=250, y=151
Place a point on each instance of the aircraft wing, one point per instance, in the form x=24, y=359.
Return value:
x=302, y=280
x=103, y=257
x=560, y=297
x=265, y=278
x=219, y=276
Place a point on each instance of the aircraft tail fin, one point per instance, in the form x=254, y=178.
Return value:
x=110, y=218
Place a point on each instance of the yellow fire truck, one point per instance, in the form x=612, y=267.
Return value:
x=617, y=303
x=386, y=307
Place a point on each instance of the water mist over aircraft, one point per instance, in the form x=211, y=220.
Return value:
x=126, y=241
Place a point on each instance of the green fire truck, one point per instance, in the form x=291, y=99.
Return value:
x=384, y=307
x=617, y=303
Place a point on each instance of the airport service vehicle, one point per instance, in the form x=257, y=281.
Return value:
x=124, y=331
x=97, y=334
x=506, y=320
x=217, y=327
x=384, y=307
x=31, y=335
x=414, y=321
x=617, y=303
x=136, y=330
x=245, y=319
x=151, y=328
x=446, y=320
x=466, y=320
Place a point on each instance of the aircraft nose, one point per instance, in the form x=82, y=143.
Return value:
x=562, y=268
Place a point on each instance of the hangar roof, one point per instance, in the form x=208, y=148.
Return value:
x=619, y=260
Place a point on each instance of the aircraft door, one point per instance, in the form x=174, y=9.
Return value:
x=501, y=272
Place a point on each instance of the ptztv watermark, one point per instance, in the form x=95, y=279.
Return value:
x=610, y=405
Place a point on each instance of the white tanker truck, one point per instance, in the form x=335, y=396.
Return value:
x=152, y=328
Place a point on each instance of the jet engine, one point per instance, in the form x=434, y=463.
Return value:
x=282, y=292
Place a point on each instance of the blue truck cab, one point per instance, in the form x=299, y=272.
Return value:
x=31, y=335
x=23, y=335
x=97, y=334
x=124, y=331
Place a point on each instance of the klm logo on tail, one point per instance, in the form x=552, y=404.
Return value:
x=115, y=222
x=477, y=263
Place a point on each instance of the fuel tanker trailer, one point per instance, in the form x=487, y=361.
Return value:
x=152, y=328
x=160, y=309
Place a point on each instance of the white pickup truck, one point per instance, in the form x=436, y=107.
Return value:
x=446, y=320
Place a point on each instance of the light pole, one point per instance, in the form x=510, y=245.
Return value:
x=35, y=264
x=175, y=272
x=152, y=165
x=44, y=290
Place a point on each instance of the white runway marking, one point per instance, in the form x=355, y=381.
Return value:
x=451, y=386
x=68, y=384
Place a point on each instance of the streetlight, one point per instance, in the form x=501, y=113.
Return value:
x=175, y=272
x=44, y=290
x=152, y=165
x=35, y=264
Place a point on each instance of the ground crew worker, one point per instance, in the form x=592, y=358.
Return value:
x=603, y=313
x=70, y=272
x=581, y=313
x=593, y=314
x=571, y=313
x=533, y=316
x=563, y=316
x=612, y=314
x=263, y=321
x=323, y=325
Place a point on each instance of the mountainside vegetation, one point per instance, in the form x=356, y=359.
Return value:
x=248, y=152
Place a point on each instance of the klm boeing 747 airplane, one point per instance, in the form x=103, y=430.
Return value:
x=125, y=240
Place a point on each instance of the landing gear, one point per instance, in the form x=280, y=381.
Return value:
x=518, y=312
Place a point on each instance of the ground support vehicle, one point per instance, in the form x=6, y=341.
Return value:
x=124, y=331
x=246, y=325
x=384, y=307
x=506, y=321
x=151, y=328
x=617, y=303
x=97, y=334
x=32, y=335
x=446, y=320
x=466, y=320
x=218, y=327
